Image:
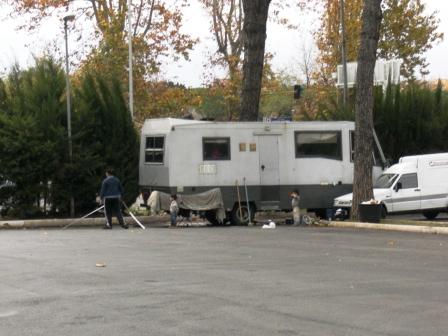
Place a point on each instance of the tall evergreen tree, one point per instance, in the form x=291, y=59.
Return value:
x=32, y=127
x=33, y=139
x=412, y=120
x=107, y=134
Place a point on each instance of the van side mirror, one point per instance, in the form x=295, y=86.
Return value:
x=398, y=186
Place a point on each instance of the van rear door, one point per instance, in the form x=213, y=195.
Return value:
x=406, y=195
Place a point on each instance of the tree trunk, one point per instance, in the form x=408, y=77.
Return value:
x=254, y=30
x=234, y=98
x=362, y=182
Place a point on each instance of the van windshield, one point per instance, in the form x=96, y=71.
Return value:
x=385, y=181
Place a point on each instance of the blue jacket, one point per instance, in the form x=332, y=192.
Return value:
x=111, y=188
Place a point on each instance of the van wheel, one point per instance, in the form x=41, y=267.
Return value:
x=210, y=215
x=238, y=217
x=430, y=214
x=383, y=211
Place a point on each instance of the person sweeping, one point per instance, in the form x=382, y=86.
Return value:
x=111, y=194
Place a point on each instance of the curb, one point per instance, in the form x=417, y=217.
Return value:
x=153, y=221
x=391, y=227
x=162, y=221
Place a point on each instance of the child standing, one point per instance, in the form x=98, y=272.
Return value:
x=174, y=209
x=295, y=199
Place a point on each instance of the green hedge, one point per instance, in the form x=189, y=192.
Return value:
x=34, y=145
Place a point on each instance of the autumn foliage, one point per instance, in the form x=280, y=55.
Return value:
x=407, y=32
x=156, y=35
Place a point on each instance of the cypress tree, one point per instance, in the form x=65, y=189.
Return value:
x=31, y=132
x=107, y=133
x=33, y=139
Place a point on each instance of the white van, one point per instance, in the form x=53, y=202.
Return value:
x=415, y=184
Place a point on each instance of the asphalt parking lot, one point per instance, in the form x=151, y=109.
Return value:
x=223, y=281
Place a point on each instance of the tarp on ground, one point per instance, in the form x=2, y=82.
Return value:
x=208, y=200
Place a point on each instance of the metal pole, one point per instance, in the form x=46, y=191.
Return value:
x=131, y=85
x=67, y=82
x=133, y=217
x=343, y=52
x=380, y=150
x=77, y=220
x=247, y=201
x=69, y=117
x=239, y=199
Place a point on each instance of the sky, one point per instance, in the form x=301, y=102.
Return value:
x=284, y=44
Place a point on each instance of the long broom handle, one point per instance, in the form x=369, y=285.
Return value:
x=247, y=199
x=133, y=217
x=239, y=199
x=71, y=223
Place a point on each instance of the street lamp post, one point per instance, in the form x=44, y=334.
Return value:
x=69, y=17
x=343, y=51
x=131, y=86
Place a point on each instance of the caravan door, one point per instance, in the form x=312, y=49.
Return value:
x=269, y=172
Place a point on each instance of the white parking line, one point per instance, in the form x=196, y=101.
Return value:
x=9, y=313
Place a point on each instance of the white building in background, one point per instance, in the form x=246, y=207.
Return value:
x=383, y=69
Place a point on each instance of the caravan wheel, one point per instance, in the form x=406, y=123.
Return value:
x=242, y=217
x=383, y=211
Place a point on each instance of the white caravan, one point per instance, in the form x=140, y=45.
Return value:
x=415, y=184
x=270, y=158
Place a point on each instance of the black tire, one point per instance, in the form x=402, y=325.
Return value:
x=321, y=213
x=242, y=218
x=186, y=213
x=383, y=211
x=210, y=215
x=430, y=214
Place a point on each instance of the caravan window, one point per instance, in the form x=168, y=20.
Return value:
x=216, y=148
x=325, y=144
x=154, y=149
